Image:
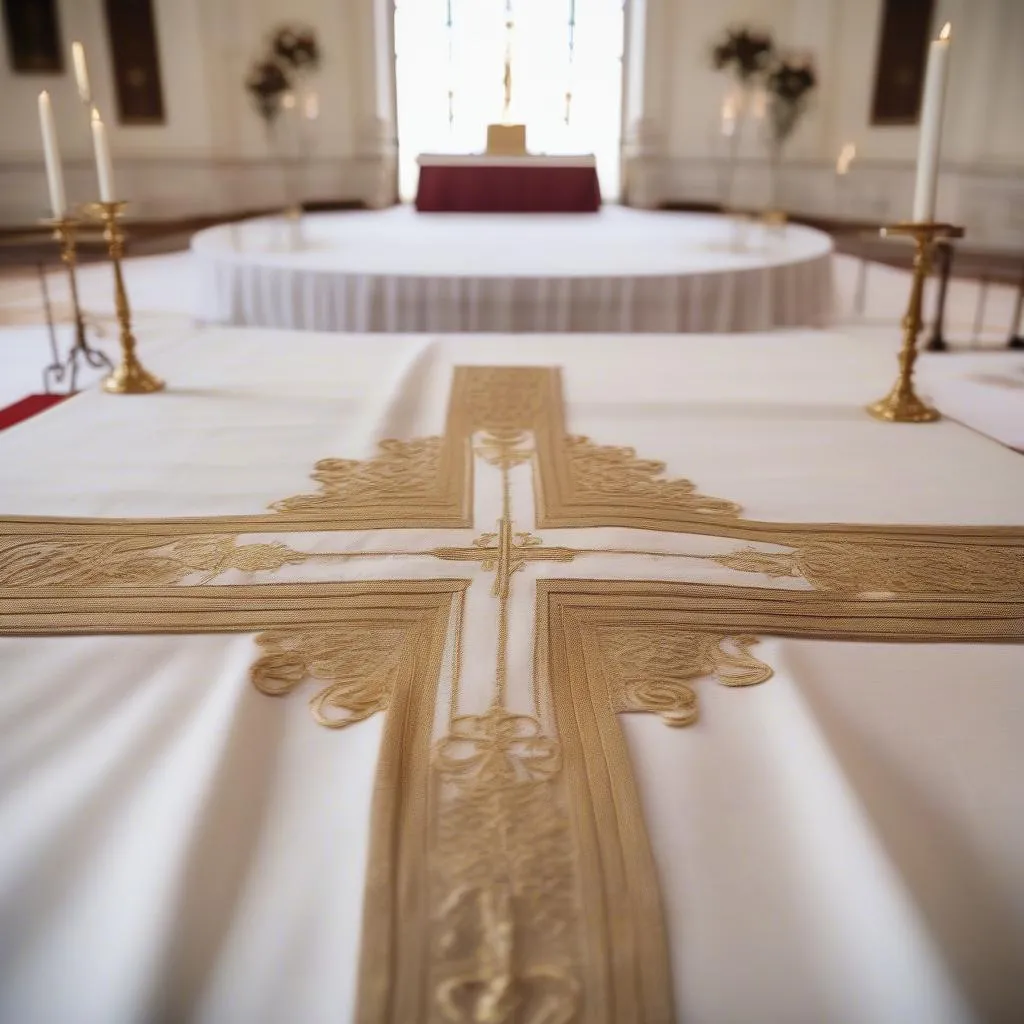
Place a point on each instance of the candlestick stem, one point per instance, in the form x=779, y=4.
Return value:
x=902, y=405
x=130, y=377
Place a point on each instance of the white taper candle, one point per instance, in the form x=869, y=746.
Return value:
x=930, y=142
x=845, y=158
x=730, y=109
x=51, y=152
x=104, y=168
x=81, y=71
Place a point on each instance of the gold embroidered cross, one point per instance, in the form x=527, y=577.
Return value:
x=506, y=901
x=505, y=553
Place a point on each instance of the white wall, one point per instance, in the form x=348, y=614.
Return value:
x=212, y=154
x=982, y=183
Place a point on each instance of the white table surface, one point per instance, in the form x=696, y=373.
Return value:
x=617, y=270
x=840, y=843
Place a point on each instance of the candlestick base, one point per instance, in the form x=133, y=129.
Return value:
x=899, y=407
x=774, y=218
x=902, y=404
x=132, y=378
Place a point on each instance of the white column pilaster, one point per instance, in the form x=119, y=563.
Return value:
x=373, y=86
x=646, y=78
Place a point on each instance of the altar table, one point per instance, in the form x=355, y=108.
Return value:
x=659, y=682
x=507, y=184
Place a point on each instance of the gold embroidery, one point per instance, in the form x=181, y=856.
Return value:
x=504, y=894
x=857, y=567
x=503, y=852
x=427, y=483
x=625, y=975
x=606, y=471
x=580, y=623
x=775, y=564
x=246, y=608
x=85, y=561
x=358, y=666
x=503, y=398
x=403, y=470
x=505, y=553
x=503, y=448
x=651, y=669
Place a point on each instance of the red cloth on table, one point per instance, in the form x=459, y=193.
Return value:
x=27, y=407
x=507, y=189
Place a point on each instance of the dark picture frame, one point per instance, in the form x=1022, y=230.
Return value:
x=131, y=29
x=33, y=35
x=900, y=62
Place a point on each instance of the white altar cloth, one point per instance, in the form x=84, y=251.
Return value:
x=619, y=270
x=841, y=842
x=984, y=391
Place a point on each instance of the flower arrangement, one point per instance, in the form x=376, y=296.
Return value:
x=779, y=86
x=292, y=51
x=745, y=52
x=789, y=84
x=296, y=47
x=267, y=83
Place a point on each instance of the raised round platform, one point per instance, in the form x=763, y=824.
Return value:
x=617, y=270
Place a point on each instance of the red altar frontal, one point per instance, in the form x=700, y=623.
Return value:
x=507, y=184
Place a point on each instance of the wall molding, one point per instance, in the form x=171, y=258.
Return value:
x=174, y=187
x=987, y=199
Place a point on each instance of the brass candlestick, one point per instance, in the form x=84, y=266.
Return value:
x=130, y=377
x=902, y=405
x=64, y=232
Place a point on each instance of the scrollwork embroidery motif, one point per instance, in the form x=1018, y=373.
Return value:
x=134, y=561
x=607, y=471
x=652, y=671
x=857, y=567
x=402, y=470
x=358, y=666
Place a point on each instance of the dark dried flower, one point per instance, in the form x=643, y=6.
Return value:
x=297, y=47
x=745, y=51
x=267, y=82
x=789, y=83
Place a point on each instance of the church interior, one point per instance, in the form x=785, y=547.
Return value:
x=511, y=511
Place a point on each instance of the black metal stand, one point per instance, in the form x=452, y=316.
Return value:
x=44, y=287
x=979, y=312
x=937, y=341
x=861, y=287
x=59, y=369
x=1016, y=339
